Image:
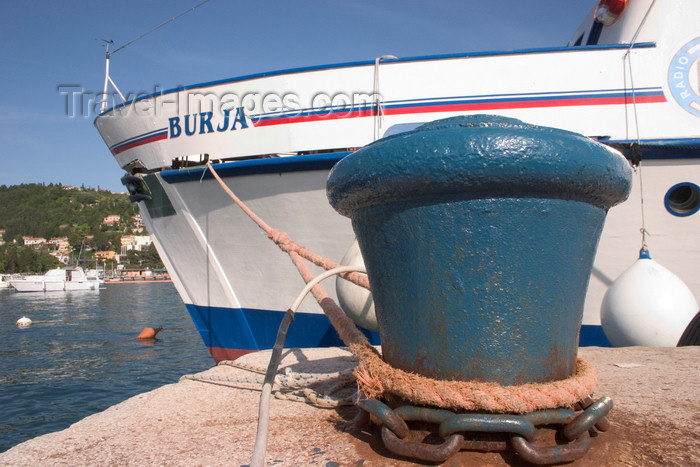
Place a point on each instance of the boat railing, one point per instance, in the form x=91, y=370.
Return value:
x=108, y=81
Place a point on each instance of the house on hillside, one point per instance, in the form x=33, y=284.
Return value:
x=62, y=258
x=33, y=241
x=59, y=244
x=106, y=255
x=138, y=223
x=111, y=219
x=135, y=242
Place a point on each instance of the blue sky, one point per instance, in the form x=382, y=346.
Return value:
x=49, y=46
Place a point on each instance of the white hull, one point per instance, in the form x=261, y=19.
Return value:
x=56, y=280
x=233, y=278
x=52, y=286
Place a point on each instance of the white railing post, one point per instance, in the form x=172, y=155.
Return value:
x=375, y=93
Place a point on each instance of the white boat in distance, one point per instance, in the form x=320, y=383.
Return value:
x=628, y=78
x=59, y=279
x=6, y=278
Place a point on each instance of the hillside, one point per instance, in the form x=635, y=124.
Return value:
x=48, y=211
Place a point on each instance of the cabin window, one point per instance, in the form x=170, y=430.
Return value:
x=683, y=199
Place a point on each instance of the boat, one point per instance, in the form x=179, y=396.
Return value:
x=95, y=276
x=628, y=78
x=5, y=280
x=59, y=279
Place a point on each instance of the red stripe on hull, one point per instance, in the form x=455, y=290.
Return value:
x=220, y=353
x=525, y=105
x=313, y=118
x=152, y=139
x=474, y=107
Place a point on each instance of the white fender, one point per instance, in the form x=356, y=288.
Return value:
x=647, y=305
x=356, y=301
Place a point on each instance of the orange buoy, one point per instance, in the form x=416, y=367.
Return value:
x=149, y=333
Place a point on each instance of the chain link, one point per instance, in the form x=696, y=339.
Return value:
x=384, y=413
x=488, y=423
x=551, y=454
x=603, y=424
x=466, y=431
x=422, y=451
x=587, y=419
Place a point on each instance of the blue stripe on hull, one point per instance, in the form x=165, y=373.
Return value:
x=684, y=148
x=593, y=336
x=248, y=329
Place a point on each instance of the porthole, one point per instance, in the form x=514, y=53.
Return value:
x=683, y=199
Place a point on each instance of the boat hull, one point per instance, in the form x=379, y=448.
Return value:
x=29, y=286
x=218, y=256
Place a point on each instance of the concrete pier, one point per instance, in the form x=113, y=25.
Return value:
x=655, y=421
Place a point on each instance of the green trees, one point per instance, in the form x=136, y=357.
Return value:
x=15, y=258
x=148, y=258
x=51, y=211
x=47, y=211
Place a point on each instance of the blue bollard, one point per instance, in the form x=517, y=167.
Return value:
x=479, y=234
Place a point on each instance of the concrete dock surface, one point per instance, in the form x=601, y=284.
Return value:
x=212, y=419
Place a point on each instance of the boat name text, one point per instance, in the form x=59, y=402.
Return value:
x=205, y=123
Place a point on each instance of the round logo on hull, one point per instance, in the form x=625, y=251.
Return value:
x=684, y=76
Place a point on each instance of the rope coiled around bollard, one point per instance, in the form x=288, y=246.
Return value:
x=376, y=379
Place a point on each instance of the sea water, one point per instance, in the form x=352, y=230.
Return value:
x=81, y=356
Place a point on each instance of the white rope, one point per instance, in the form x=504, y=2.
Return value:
x=638, y=168
x=292, y=385
x=258, y=458
x=628, y=57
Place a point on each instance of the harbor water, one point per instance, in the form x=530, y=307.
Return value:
x=81, y=356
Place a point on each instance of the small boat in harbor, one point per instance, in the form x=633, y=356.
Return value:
x=629, y=78
x=59, y=279
x=6, y=278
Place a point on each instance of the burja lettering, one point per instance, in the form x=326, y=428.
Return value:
x=203, y=120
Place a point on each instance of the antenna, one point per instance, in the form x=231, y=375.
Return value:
x=108, y=79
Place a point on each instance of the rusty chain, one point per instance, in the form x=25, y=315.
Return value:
x=466, y=431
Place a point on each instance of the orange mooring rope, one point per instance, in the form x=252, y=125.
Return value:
x=377, y=378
